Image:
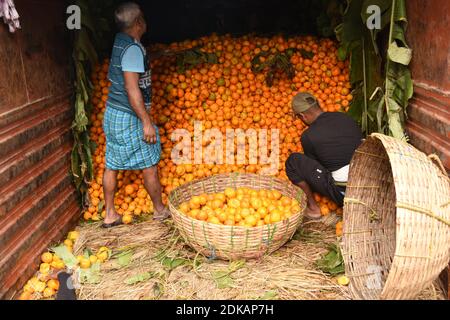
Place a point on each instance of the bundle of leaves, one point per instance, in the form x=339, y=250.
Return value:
x=379, y=60
x=188, y=59
x=332, y=262
x=278, y=62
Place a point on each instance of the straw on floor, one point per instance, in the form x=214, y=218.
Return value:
x=289, y=273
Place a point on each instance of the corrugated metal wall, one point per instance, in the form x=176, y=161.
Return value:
x=429, y=36
x=37, y=200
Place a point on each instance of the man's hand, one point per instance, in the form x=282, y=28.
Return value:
x=149, y=132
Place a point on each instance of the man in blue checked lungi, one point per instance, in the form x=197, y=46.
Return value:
x=132, y=140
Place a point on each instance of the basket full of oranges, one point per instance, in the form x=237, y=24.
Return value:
x=237, y=216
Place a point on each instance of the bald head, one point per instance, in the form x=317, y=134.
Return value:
x=126, y=15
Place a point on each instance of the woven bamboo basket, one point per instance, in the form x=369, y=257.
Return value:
x=396, y=237
x=233, y=242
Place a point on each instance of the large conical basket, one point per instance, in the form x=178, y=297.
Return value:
x=396, y=237
x=232, y=242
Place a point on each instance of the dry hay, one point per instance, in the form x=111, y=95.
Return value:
x=288, y=274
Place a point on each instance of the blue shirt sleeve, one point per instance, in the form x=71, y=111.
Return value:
x=133, y=60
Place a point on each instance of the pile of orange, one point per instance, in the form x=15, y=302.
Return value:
x=44, y=284
x=242, y=207
x=227, y=95
x=327, y=206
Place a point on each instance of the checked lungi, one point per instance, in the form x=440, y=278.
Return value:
x=125, y=145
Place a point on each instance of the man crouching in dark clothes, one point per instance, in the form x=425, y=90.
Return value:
x=329, y=144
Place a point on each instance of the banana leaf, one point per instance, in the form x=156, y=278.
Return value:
x=92, y=41
x=382, y=84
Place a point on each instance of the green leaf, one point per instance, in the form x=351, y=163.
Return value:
x=399, y=54
x=269, y=295
x=172, y=263
x=75, y=167
x=306, y=54
x=66, y=256
x=87, y=253
x=343, y=52
x=139, y=278
x=223, y=279
x=124, y=258
x=84, y=45
x=91, y=275
x=352, y=27
x=332, y=262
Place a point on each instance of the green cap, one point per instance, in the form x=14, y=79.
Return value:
x=302, y=102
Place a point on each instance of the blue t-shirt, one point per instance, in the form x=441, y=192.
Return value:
x=133, y=60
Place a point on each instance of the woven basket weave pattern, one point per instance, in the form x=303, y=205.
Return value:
x=396, y=234
x=228, y=242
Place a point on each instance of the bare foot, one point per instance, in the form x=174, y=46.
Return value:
x=111, y=217
x=313, y=213
x=162, y=214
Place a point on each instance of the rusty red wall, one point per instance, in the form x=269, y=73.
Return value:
x=37, y=200
x=429, y=36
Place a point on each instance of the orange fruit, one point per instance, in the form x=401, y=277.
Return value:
x=275, y=217
x=262, y=211
x=184, y=207
x=193, y=213
x=203, y=199
x=324, y=210
x=44, y=268
x=251, y=221
x=285, y=201
x=230, y=193
x=216, y=204
x=202, y=215
x=295, y=209
x=221, y=197
x=47, y=257
x=195, y=202
x=129, y=189
x=214, y=220
x=229, y=223
x=256, y=203
x=85, y=263
x=276, y=194
x=48, y=292
x=222, y=217
x=244, y=212
x=25, y=296
x=53, y=284
x=127, y=219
